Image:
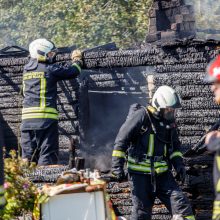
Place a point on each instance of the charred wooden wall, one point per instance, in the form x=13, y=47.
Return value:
x=114, y=80
x=110, y=92
x=182, y=66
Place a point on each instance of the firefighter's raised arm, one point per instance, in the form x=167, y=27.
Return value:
x=70, y=71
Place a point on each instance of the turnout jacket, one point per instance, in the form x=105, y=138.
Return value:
x=142, y=145
x=40, y=92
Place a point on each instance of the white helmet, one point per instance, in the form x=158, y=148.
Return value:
x=165, y=97
x=40, y=48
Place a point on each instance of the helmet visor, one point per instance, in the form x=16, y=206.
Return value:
x=177, y=102
x=169, y=114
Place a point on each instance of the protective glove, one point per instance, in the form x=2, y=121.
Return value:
x=181, y=174
x=118, y=174
x=76, y=56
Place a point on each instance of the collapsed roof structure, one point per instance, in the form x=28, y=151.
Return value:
x=93, y=107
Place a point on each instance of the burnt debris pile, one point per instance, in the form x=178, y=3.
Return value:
x=46, y=174
x=93, y=109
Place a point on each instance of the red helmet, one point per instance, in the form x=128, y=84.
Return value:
x=213, y=71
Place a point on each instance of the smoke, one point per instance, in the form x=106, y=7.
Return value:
x=111, y=92
x=207, y=14
x=6, y=41
x=97, y=158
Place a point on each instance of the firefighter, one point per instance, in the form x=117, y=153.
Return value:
x=213, y=138
x=149, y=141
x=39, y=127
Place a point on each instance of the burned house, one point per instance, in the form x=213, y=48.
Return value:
x=93, y=107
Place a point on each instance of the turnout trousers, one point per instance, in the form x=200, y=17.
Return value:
x=216, y=176
x=167, y=191
x=41, y=146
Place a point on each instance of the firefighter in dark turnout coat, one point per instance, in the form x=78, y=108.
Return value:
x=213, y=138
x=39, y=127
x=149, y=141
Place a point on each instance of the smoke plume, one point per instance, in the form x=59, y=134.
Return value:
x=207, y=15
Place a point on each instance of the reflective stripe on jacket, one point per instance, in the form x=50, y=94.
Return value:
x=216, y=210
x=138, y=152
x=40, y=92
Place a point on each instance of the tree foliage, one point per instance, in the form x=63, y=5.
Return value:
x=84, y=23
